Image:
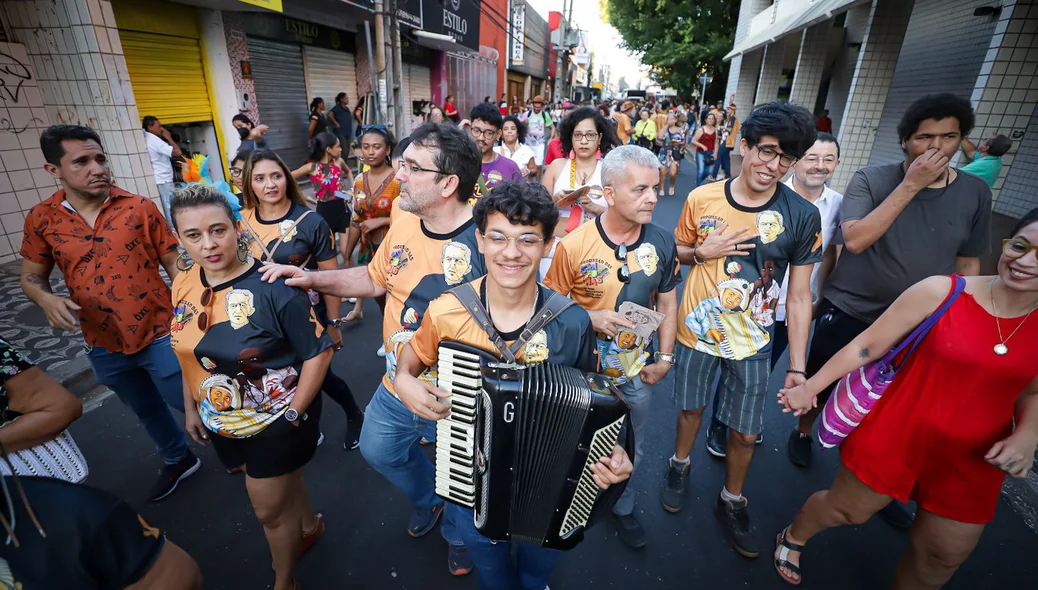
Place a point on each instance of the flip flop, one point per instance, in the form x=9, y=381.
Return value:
x=354, y=315
x=782, y=560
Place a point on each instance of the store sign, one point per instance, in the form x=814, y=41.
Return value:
x=274, y=5
x=290, y=30
x=409, y=12
x=457, y=18
x=518, y=33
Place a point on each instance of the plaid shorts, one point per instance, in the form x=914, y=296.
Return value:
x=744, y=387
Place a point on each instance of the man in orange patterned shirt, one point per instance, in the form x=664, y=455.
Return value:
x=109, y=245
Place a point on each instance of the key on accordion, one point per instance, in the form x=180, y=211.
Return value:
x=458, y=374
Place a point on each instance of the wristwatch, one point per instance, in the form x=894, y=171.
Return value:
x=292, y=415
x=667, y=357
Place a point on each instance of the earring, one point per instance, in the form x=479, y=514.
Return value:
x=181, y=258
x=243, y=249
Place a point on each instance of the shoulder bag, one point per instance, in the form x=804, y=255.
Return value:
x=59, y=458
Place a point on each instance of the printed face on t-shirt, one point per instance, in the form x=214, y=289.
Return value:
x=456, y=261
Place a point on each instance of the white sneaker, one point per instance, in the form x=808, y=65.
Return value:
x=381, y=351
x=352, y=300
x=320, y=440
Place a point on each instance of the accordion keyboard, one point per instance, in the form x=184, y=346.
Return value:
x=579, y=511
x=458, y=374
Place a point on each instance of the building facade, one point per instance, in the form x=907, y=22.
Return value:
x=527, y=52
x=867, y=60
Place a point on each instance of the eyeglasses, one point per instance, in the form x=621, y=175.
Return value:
x=524, y=242
x=410, y=169
x=207, y=302
x=1018, y=247
x=767, y=154
x=814, y=160
x=588, y=137
x=484, y=133
x=235, y=171
x=623, y=273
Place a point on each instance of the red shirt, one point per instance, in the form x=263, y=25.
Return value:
x=824, y=124
x=111, y=269
x=451, y=112
x=554, y=151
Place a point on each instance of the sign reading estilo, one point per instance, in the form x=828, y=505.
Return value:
x=457, y=18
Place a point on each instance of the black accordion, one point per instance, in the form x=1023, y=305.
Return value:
x=519, y=444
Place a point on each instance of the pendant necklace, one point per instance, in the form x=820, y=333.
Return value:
x=1001, y=349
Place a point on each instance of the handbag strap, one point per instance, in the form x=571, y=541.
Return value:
x=551, y=309
x=916, y=337
x=269, y=254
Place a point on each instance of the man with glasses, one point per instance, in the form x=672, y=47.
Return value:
x=485, y=129
x=727, y=233
x=809, y=178
x=513, y=222
x=901, y=223
x=624, y=257
x=431, y=246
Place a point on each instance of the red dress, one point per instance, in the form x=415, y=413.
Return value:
x=952, y=400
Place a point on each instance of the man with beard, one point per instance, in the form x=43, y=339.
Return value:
x=109, y=245
x=808, y=180
x=901, y=223
x=485, y=129
x=431, y=246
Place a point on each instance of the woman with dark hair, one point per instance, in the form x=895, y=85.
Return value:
x=584, y=134
x=283, y=230
x=705, y=142
x=373, y=195
x=252, y=136
x=513, y=146
x=318, y=120
x=253, y=356
x=330, y=178
x=960, y=415
x=674, y=149
x=450, y=110
x=644, y=130
x=358, y=117
x=435, y=115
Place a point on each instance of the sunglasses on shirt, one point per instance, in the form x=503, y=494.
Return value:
x=623, y=273
x=207, y=302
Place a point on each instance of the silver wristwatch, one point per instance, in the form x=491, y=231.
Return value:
x=292, y=415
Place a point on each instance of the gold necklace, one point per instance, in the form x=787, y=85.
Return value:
x=573, y=174
x=1001, y=349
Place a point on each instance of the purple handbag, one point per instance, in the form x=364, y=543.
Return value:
x=858, y=391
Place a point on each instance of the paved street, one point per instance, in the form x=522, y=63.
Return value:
x=366, y=546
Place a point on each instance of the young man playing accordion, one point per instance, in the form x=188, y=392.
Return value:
x=513, y=222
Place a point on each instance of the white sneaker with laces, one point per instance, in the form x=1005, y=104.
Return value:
x=381, y=351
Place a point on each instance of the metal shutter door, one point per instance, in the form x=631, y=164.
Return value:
x=167, y=76
x=418, y=87
x=328, y=73
x=277, y=72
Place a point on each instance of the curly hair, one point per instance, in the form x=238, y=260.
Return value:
x=520, y=127
x=608, y=139
x=487, y=113
x=523, y=203
x=937, y=107
x=793, y=126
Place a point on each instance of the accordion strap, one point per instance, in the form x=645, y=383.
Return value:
x=551, y=309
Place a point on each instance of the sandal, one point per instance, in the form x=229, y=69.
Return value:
x=355, y=315
x=310, y=538
x=782, y=560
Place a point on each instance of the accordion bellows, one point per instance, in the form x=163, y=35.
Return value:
x=519, y=444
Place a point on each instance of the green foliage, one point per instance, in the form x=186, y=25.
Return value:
x=679, y=39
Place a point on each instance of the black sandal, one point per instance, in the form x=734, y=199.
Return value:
x=782, y=562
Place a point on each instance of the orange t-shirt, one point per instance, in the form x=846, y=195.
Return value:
x=111, y=269
x=416, y=266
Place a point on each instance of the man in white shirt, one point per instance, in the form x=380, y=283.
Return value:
x=161, y=148
x=809, y=178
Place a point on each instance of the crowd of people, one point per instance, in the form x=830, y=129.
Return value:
x=242, y=342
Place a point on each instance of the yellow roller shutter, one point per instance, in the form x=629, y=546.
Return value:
x=167, y=76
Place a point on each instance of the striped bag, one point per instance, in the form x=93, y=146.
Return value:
x=59, y=458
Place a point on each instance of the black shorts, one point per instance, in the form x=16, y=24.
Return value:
x=336, y=214
x=834, y=329
x=279, y=450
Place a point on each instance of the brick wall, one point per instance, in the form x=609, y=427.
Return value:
x=65, y=66
x=771, y=71
x=807, y=81
x=237, y=52
x=943, y=50
x=881, y=46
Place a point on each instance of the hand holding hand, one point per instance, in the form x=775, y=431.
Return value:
x=719, y=245
x=608, y=322
x=795, y=396
x=1014, y=454
x=614, y=469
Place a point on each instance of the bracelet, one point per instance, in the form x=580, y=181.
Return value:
x=695, y=256
x=796, y=372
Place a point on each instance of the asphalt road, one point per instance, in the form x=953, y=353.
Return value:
x=366, y=546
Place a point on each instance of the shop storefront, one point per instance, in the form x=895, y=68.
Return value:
x=527, y=52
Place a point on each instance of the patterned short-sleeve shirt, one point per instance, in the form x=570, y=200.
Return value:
x=12, y=362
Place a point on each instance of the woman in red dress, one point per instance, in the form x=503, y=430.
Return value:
x=943, y=433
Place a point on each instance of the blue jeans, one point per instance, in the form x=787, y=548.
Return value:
x=494, y=564
x=702, y=170
x=779, y=343
x=389, y=443
x=724, y=160
x=638, y=395
x=146, y=381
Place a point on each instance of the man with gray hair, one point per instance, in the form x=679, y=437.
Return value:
x=624, y=257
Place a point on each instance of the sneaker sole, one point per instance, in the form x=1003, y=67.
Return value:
x=671, y=509
x=731, y=541
x=190, y=471
x=719, y=455
x=429, y=528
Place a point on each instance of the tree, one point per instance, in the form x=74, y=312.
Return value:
x=679, y=39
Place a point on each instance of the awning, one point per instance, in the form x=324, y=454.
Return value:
x=786, y=18
x=439, y=42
